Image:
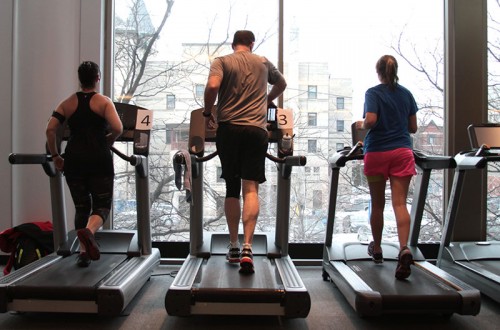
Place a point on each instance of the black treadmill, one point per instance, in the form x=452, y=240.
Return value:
x=477, y=263
x=55, y=283
x=207, y=284
x=371, y=289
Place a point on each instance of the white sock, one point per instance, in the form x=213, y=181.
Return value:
x=235, y=244
x=247, y=246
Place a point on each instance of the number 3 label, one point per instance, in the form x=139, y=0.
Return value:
x=144, y=120
x=285, y=118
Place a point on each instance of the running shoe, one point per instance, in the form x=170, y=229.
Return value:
x=405, y=260
x=88, y=240
x=246, y=261
x=233, y=255
x=378, y=258
x=83, y=260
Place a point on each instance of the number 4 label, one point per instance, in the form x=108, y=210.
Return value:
x=144, y=120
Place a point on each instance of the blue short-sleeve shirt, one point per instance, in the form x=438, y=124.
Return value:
x=393, y=108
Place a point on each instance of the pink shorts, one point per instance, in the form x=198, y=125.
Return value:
x=398, y=162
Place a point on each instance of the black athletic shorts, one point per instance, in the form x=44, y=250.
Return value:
x=242, y=151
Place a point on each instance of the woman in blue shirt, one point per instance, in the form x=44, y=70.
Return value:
x=390, y=115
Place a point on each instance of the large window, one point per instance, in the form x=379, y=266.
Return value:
x=163, y=51
x=353, y=35
x=493, y=190
x=159, y=52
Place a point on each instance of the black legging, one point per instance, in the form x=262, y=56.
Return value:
x=92, y=196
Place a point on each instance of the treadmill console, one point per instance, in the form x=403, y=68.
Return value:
x=357, y=134
x=137, y=124
x=280, y=130
x=485, y=135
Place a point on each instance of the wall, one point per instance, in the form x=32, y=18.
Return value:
x=43, y=43
x=6, y=19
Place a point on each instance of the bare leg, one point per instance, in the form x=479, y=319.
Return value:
x=399, y=193
x=95, y=222
x=232, y=209
x=377, y=194
x=89, y=249
x=250, y=209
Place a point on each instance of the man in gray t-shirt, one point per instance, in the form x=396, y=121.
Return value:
x=239, y=82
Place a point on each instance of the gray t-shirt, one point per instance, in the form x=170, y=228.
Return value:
x=242, y=97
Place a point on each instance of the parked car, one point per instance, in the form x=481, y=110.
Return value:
x=342, y=222
x=357, y=220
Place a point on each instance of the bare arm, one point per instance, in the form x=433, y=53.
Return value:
x=65, y=109
x=211, y=90
x=115, y=124
x=277, y=89
x=412, y=124
x=50, y=132
x=370, y=120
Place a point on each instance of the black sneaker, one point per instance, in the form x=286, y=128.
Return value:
x=83, y=260
x=378, y=258
x=246, y=261
x=405, y=260
x=233, y=255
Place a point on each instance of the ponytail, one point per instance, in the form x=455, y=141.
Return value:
x=387, y=68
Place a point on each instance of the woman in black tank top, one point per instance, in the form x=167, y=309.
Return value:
x=87, y=162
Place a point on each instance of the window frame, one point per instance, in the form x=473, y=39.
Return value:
x=312, y=92
x=171, y=102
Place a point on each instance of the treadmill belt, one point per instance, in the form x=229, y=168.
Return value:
x=64, y=280
x=482, y=267
x=420, y=288
x=221, y=281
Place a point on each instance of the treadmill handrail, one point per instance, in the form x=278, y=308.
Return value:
x=42, y=159
x=467, y=160
x=433, y=162
x=422, y=160
x=179, y=158
x=206, y=158
x=130, y=159
x=15, y=158
x=340, y=158
x=288, y=160
x=138, y=161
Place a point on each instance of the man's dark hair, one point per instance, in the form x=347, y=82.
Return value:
x=88, y=72
x=243, y=37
